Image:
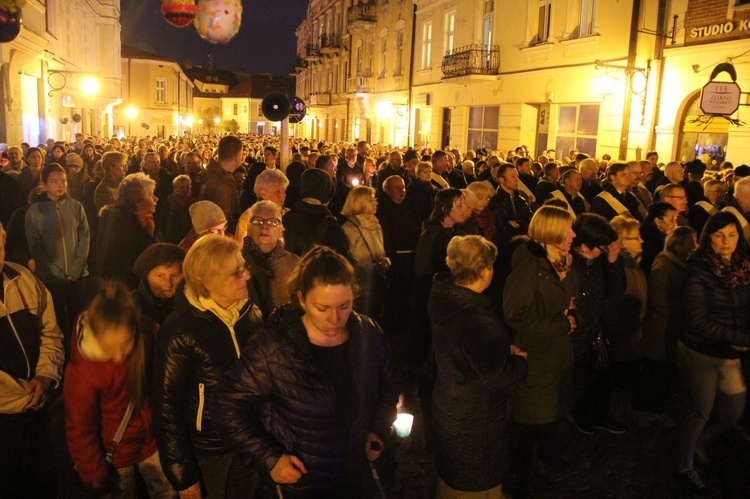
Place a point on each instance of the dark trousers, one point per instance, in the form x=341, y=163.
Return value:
x=656, y=380
x=593, y=394
x=529, y=438
x=224, y=477
x=27, y=465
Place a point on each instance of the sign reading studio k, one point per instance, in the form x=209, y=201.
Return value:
x=716, y=21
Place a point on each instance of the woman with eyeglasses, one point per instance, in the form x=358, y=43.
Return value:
x=269, y=263
x=197, y=343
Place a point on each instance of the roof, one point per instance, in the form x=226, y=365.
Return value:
x=258, y=86
x=211, y=75
x=135, y=53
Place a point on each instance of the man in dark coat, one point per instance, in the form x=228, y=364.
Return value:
x=615, y=199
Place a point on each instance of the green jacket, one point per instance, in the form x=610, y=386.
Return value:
x=58, y=236
x=534, y=304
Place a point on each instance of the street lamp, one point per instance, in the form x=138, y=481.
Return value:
x=90, y=86
x=131, y=113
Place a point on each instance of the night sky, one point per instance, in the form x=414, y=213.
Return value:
x=264, y=44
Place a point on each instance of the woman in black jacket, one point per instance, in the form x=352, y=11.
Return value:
x=313, y=396
x=197, y=343
x=716, y=298
x=477, y=368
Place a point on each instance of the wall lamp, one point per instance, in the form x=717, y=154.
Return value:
x=637, y=80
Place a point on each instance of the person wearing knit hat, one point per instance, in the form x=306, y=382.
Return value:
x=207, y=218
x=160, y=269
x=316, y=184
x=77, y=175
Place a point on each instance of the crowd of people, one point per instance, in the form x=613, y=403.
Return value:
x=225, y=323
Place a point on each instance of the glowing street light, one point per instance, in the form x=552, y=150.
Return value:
x=131, y=113
x=90, y=86
x=217, y=120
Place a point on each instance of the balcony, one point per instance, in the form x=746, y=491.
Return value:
x=471, y=60
x=362, y=16
x=320, y=99
x=313, y=53
x=330, y=43
x=361, y=84
x=300, y=64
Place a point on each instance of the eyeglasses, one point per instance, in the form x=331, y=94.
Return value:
x=240, y=272
x=260, y=222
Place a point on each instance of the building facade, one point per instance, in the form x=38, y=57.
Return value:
x=61, y=75
x=157, y=96
x=353, y=70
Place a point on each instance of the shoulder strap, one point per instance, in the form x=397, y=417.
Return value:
x=711, y=209
x=557, y=194
x=364, y=239
x=743, y=221
x=614, y=203
x=522, y=187
x=120, y=431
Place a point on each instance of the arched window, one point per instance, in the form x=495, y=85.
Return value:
x=700, y=139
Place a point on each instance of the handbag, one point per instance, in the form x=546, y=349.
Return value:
x=600, y=356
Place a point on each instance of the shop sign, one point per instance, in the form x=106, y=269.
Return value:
x=720, y=28
x=721, y=97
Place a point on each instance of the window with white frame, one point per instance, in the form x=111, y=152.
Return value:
x=577, y=128
x=589, y=10
x=426, y=45
x=383, y=52
x=161, y=90
x=398, y=70
x=234, y=110
x=488, y=22
x=544, y=21
x=449, y=37
x=484, y=122
x=359, y=58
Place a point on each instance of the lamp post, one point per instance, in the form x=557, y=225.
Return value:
x=131, y=113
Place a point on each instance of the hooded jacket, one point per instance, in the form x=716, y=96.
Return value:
x=58, y=236
x=99, y=388
x=475, y=375
x=197, y=343
x=294, y=405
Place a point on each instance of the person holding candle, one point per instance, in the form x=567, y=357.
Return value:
x=313, y=395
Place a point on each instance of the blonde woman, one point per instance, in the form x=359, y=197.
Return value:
x=539, y=306
x=366, y=246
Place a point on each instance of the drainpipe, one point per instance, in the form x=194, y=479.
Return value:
x=632, y=48
x=659, y=59
x=409, y=137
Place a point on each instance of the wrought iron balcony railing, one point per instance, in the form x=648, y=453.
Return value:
x=363, y=13
x=300, y=63
x=320, y=99
x=330, y=42
x=471, y=60
x=313, y=53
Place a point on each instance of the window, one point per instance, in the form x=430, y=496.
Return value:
x=449, y=38
x=577, y=128
x=489, y=18
x=483, y=126
x=383, y=52
x=399, y=53
x=588, y=17
x=161, y=90
x=544, y=21
x=359, y=58
x=234, y=109
x=427, y=45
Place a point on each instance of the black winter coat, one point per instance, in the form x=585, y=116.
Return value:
x=308, y=224
x=506, y=209
x=194, y=348
x=716, y=316
x=475, y=374
x=276, y=400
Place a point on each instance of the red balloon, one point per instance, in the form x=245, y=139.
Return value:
x=177, y=13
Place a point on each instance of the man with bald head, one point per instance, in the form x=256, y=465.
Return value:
x=590, y=187
x=673, y=174
x=739, y=206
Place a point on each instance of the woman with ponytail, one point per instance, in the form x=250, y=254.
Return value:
x=106, y=387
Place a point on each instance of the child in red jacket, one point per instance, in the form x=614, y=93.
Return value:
x=106, y=376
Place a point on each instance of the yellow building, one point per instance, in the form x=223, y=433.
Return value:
x=157, y=96
x=243, y=102
x=353, y=70
x=61, y=74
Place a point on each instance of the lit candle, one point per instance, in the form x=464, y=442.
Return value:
x=402, y=425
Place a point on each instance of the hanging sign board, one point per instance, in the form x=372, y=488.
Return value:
x=721, y=98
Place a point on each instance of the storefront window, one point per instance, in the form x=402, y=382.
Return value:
x=703, y=138
x=483, y=125
x=577, y=128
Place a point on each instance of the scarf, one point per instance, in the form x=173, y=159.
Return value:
x=561, y=261
x=733, y=273
x=262, y=260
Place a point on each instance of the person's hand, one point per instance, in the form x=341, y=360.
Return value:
x=39, y=389
x=572, y=321
x=70, y=278
x=513, y=224
x=613, y=251
x=31, y=265
x=192, y=492
x=741, y=349
x=514, y=350
x=374, y=446
x=288, y=469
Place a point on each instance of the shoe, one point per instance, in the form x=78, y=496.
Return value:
x=610, y=427
x=663, y=419
x=692, y=482
x=641, y=419
x=584, y=428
